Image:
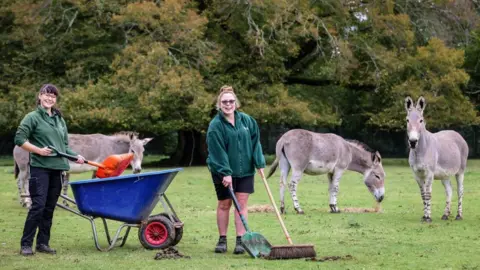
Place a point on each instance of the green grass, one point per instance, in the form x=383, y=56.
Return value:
x=149, y=160
x=393, y=239
x=6, y=161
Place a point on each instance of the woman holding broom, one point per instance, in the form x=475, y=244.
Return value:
x=234, y=152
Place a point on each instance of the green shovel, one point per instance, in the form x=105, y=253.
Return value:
x=254, y=243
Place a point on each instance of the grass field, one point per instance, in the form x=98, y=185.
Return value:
x=392, y=239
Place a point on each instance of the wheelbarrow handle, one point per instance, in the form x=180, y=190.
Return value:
x=75, y=158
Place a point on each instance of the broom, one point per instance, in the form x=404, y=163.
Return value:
x=290, y=251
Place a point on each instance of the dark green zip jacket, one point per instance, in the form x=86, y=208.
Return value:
x=43, y=130
x=234, y=150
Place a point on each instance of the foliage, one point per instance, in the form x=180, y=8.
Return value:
x=68, y=43
x=450, y=21
x=270, y=34
x=156, y=86
x=156, y=66
x=434, y=72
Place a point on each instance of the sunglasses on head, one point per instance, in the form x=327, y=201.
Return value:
x=231, y=101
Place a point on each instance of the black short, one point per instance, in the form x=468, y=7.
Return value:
x=239, y=184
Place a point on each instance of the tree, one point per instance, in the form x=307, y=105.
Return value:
x=434, y=71
x=157, y=86
x=68, y=43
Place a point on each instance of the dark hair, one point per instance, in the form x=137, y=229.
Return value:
x=49, y=89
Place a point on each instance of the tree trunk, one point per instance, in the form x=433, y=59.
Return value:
x=191, y=149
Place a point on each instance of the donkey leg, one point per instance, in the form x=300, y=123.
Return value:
x=296, y=176
x=333, y=188
x=459, y=178
x=26, y=186
x=21, y=197
x=421, y=185
x=426, y=192
x=65, y=181
x=448, y=192
x=284, y=170
x=23, y=179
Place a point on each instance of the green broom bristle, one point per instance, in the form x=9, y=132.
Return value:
x=292, y=252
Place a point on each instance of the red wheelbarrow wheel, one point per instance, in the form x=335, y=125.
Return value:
x=157, y=233
x=178, y=231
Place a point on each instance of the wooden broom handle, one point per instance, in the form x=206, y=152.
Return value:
x=289, y=239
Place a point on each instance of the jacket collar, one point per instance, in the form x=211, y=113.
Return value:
x=222, y=116
x=44, y=111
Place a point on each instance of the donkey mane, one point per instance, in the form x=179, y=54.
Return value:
x=361, y=145
x=125, y=135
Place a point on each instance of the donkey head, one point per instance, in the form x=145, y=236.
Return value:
x=415, y=121
x=374, y=179
x=137, y=148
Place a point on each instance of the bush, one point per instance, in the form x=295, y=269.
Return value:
x=269, y=159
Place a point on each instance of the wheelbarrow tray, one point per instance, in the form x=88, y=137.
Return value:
x=128, y=198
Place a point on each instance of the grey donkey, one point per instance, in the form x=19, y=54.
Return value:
x=325, y=153
x=94, y=147
x=434, y=156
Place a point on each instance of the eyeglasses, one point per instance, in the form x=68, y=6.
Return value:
x=231, y=101
x=51, y=96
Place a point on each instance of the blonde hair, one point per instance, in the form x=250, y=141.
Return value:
x=227, y=89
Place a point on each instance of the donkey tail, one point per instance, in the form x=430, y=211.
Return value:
x=273, y=167
x=279, y=151
x=16, y=170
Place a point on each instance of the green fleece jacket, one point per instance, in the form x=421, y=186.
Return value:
x=234, y=150
x=43, y=130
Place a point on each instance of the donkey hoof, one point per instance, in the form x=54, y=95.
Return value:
x=27, y=205
x=300, y=212
x=459, y=217
x=334, y=209
x=427, y=219
x=444, y=217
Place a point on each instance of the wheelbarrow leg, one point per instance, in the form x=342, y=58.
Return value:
x=170, y=207
x=125, y=237
x=111, y=242
x=107, y=232
x=115, y=238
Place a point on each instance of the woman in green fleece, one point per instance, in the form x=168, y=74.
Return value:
x=234, y=152
x=39, y=129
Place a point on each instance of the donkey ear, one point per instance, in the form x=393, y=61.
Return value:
x=376, y=158
x=421, y=104
x=146, y=140
x=408, y=103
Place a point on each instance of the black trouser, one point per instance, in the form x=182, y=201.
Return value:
x=45, y=186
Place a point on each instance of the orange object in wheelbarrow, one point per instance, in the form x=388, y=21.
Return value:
x=112, y=166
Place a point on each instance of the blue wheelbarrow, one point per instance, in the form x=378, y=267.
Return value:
x=129, y=199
